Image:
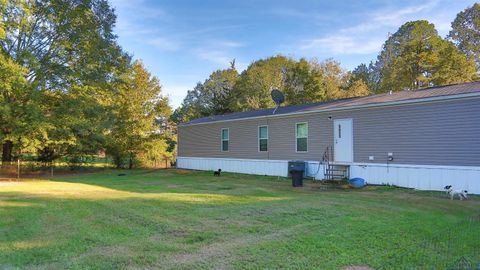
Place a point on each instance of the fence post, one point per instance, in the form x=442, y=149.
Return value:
x=51, y=169
x=18, y=168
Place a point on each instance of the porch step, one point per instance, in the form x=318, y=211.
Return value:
x=336, y=172
x=334, y=176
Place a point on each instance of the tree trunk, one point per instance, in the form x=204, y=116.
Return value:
x=130, y=162
x=7, y=151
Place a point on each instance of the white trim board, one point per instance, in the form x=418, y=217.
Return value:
x=475, y=168
x=445, y=167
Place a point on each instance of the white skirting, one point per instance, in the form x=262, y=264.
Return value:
x=423, y=177
x=249, y=166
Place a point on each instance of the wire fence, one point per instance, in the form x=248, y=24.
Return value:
x=455, y=248
x=34, y=169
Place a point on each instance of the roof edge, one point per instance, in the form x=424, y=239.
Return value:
x=381, y=104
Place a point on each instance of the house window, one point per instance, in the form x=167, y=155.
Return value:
x=263, y=138
x=301, y=135
x=225, y=139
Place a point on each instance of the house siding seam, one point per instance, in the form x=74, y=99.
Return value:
x=437, y=133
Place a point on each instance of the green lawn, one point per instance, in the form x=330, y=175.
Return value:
x=191, y=220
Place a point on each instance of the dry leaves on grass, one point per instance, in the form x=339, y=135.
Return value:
x=181, y=171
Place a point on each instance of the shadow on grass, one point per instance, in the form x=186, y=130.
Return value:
x=45, y=222
x=78, y=191
x=182, y=181
x=145, y=218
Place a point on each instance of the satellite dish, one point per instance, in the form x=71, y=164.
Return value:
x=278, y=98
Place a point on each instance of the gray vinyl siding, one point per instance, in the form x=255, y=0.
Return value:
x=435, y=133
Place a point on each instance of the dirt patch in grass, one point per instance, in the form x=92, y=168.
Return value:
x=358, y=268
x=170, y=233
x=182, y=171
x=340, y=185
x=328, y=185
x=219, y=253
x=104, y=251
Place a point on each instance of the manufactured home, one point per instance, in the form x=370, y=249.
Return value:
x=423, y=139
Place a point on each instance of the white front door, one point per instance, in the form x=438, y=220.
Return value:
x=343, y=140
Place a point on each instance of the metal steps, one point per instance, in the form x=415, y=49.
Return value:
x=333, y=171
x=336, y=172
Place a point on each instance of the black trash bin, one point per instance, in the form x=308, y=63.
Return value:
x=296, y=170
x=297, y=178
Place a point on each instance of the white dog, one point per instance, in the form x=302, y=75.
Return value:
x=462, y=194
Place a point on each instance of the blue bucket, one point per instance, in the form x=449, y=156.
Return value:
x=357, y=182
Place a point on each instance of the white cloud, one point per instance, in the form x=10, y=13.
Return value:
x=132, y=16
x=368, y=36
x=164, y=44
x=139, y=9
x=311, y=15
x=214, y=56
x=124, y=28
x=220, y=52
x=229, y=44
x=398, y=17
x=343, y=44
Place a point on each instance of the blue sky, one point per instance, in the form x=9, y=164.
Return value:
x=182, y=42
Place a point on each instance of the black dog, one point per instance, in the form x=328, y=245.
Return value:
x=217, y=173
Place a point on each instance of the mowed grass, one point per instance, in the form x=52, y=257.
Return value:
x=191, y=220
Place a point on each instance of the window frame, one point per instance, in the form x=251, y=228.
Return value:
x=296, y=137
x=222, y=140
x=258, y=138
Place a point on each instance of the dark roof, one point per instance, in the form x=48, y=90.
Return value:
x=447, y=90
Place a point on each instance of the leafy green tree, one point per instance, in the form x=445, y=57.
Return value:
x=466, y=32
x=302, y=81
x=334, y=77
x=303, y=84
x=136, y=106
x=252, y=90
x=19, y=109
x=355, y=88
x=155, y=151
x=191, y=106
x=69, y=52
x=364, y=73
x=416, y=56
x=210, y=97
x=217, y=90
x=60, y=42
x=453, y=67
